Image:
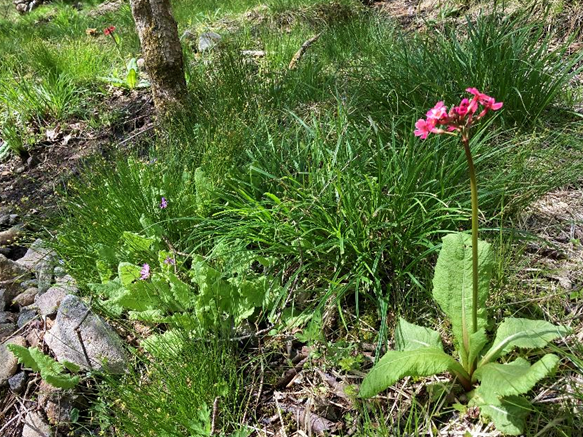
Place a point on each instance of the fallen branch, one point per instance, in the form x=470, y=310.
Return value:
x=301, y=51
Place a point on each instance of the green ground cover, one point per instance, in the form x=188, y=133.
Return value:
x=291, y=191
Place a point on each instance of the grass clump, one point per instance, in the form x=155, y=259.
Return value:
x=513, y=58
x=174, y=391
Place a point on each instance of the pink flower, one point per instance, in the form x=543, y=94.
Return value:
x=170, y=261
x=485, y=100
x=438, y=112
x=424, y=127
x=490, y=103
x=459, y=118
x=145, y=272
x=463, y=108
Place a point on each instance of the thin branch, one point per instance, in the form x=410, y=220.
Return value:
x=294, y=62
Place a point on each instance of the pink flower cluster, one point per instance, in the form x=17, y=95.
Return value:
x=439, y=120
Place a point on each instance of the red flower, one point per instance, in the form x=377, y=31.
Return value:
x=109, y=30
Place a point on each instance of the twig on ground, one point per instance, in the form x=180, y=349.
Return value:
x=294, y=62
x=214, y=416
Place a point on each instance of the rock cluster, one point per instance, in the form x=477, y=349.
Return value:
x=40, y=307
x=24, y=6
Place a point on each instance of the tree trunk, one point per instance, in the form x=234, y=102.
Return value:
x=162, y=53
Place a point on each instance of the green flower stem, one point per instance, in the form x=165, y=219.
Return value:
x=474, y=189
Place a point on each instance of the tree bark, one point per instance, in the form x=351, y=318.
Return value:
x=162, y=52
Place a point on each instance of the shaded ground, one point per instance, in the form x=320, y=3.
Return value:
x=28, y=189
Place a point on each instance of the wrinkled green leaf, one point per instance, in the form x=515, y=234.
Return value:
x=139, y=296
x=395, y=365
x=170, y=343
x=452, y=284
x=128, y=273
x=522, y=333
x=515, y=378
x=136, y=244
x=182, y=293
x=72, y=367
x=509, y=414
x=409, y=337
x=149, y=316
x=500, y=386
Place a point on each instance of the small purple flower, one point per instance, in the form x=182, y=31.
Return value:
x=164, y=203
x=170, y=261
x=145, y=272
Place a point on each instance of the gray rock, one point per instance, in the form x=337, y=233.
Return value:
x=29, y=283
x=26, y=298
x=10, y=270
x=59, y=272
x=4, y=219
x=103, y=346
x=35, y=426
x=208, y=41
x=48, y=303
x=26, y=315
x=11, y=275
x=35, y=253
x=13, y=219
x=34, y=338
x=7, y=317
x=8, y=362
x=44, y=275
x=8, y=291
x=188, y=36
x=6, y=330
x=69, y=283
x=42, y=261
x=10, y=236
x=17, y=383
x=57, y=403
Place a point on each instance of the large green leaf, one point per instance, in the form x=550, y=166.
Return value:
x=452, y=284
x=515, y=378
x=409, y=337
x=128, y=273
x=477, y=342
x=139, y=296
x=398, y=364
x=508, y=414
x=500, y=386
x=136, y=244
x=522, y=333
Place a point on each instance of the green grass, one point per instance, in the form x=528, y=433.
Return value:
x=316, y=168
x=511, y=58
x=173, y=392
x=351, y=194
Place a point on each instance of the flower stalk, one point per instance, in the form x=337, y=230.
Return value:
x=459, y=119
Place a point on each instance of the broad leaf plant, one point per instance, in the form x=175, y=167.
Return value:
x=460, y=287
